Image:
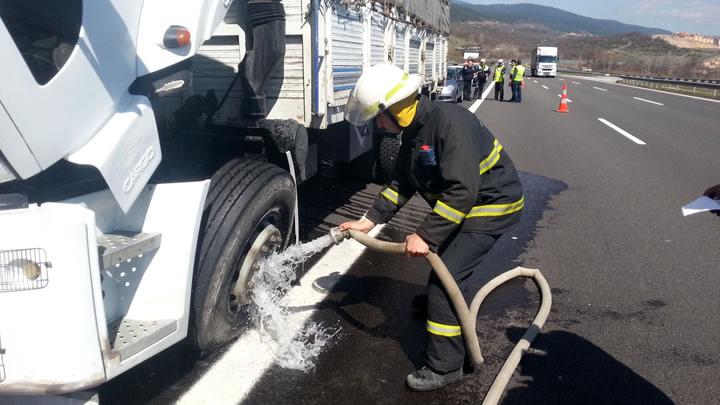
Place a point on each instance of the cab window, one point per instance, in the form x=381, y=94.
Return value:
x=45, y=32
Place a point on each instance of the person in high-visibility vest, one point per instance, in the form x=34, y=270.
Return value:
x=499, y=79
x=513, y=64
x=517, y=76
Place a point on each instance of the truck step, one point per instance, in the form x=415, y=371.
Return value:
x=129, y=337
x=119, y=246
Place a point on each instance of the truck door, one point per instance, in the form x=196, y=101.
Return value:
x=67, y=66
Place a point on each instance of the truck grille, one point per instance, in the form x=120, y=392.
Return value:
x=23, y=269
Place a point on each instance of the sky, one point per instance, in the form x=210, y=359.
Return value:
x=697, y=16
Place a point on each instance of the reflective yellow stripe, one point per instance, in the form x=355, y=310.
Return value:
x=397, y=87
x=391, y=195
x=492, y=158
x=443, y=330
x=394, y=197
x=448, y=212
x=496, y=210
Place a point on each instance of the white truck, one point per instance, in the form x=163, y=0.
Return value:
x=144, y=169
x=543, y=61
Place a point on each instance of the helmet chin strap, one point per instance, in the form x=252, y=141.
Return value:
x=392, y=117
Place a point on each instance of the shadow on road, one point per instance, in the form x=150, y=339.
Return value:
x=565, y=368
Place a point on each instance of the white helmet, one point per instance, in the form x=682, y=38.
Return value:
x=378, y=88
x=483, y=60
x=500, y=61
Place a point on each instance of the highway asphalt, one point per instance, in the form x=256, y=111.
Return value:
x=635, y=284
x=634, y=279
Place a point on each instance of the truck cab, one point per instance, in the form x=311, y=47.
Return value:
x=544, y=61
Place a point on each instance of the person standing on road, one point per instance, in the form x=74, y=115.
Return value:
x=499, y=79
x=453, y=161
x=517, y=76
x=468, y=72
x=513, y=98
x=483, y=71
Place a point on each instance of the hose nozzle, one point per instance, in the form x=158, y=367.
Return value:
x=338, y=236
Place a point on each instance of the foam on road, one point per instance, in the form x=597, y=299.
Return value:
x=235, y=374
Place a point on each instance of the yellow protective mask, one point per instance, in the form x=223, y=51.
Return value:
x=404, y=110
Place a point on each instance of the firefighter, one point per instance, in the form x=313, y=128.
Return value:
x=453, y=161
x=468, y=72
x=483, y=71
x=499, y=79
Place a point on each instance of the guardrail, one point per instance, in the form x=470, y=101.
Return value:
x=711, y=84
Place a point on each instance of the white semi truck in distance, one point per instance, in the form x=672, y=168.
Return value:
x=544, y=61
x=144, y=163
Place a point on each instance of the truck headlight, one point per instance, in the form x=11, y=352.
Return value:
x=6, y=173
x=23, y=269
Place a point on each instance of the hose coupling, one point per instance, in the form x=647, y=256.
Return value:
x=338, y=236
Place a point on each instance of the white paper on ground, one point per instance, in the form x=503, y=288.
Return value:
x=702, y=204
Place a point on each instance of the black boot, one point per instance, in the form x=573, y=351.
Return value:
x=425, y=379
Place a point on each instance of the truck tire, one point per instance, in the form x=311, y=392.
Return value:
x=248, y=213
x=365, y=168
x=387, y=154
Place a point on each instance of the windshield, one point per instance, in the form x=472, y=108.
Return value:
x=547, y=59
x=453, y=74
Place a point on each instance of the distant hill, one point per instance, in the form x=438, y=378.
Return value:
x=553, y=18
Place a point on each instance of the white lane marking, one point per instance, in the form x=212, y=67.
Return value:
x=622, y=131
x=233, y=376
x=562, y=80
x=599, y=88
x=534, y=81
x=653, y=90
x=477, y=103
x=545, y=87
x=668, y=92
x=577, y=83
x=569, y=101
x=648, y=101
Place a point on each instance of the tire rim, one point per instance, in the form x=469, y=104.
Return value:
x=266, y=242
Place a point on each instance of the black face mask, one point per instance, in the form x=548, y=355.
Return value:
x=388, y=114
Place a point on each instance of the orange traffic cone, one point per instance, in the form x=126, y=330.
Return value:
x=563, y=108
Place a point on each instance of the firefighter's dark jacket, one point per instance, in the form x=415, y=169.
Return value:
x=450, y=158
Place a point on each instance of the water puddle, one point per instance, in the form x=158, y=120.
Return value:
x=293, y=350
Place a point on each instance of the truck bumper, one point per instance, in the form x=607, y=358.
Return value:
x=50, y=341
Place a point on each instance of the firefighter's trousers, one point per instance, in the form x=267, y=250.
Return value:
x=462, y=255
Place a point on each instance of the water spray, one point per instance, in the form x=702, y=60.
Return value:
x=468, y=316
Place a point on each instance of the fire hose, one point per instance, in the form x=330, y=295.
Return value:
x=468, y=316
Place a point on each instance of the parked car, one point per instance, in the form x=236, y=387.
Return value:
x=452, y=88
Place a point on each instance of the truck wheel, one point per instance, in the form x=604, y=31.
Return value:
x=248, y=214
x=387, y=154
